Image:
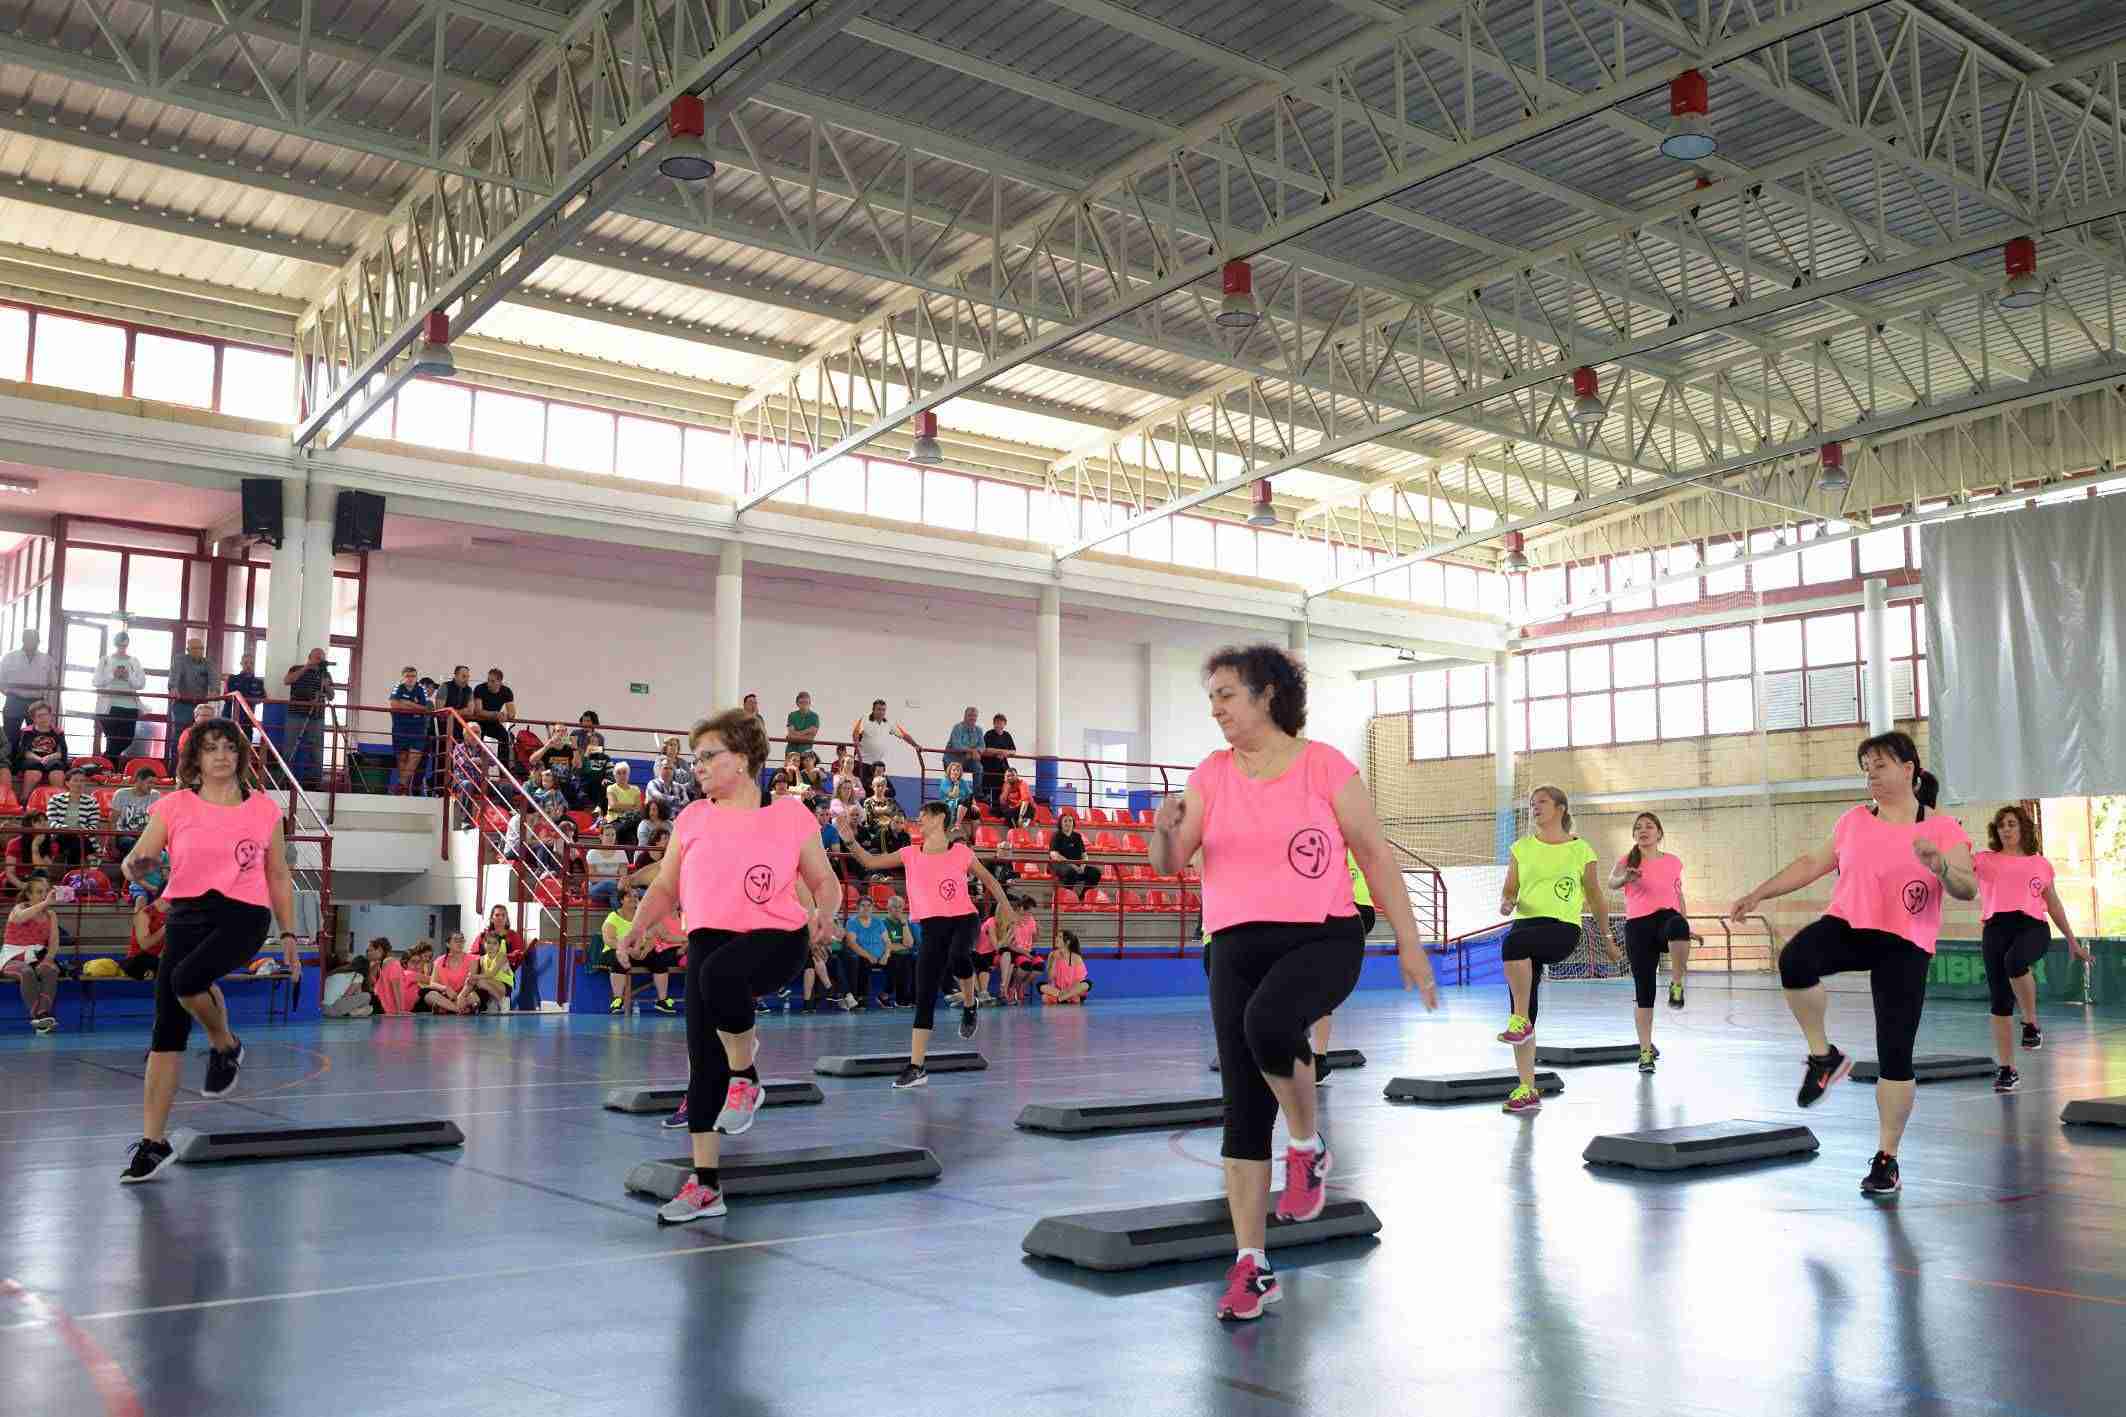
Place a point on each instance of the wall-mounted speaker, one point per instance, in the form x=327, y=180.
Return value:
x=262, y=509
x=358, y=522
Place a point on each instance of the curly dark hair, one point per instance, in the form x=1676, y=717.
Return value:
x=741, y=733
x=195, y=743
x=1269, y=672
x=2022, y=820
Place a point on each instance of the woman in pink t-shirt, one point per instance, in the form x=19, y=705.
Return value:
x=451, y=991
x=943, y=906
x=754, y=890
x=1895, y=860
x=1067, y=983
x=1273, y=815
x=1655, y=924
x=228, y=883
x=2015, y=894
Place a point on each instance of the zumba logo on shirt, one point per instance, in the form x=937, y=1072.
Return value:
x=1915, y=897
x=1563, y=887
x=760, y=884
x=1308, y=852
x=248, y=853
x=948, y=889
x=2037, y=887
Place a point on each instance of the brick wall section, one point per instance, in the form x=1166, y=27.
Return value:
x=1444, y=809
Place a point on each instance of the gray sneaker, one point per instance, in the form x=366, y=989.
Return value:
x=694, y=1202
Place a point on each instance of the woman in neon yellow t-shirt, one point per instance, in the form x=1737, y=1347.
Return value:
x=1552, y=879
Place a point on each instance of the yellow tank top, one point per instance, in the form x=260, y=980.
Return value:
x=1552, y=878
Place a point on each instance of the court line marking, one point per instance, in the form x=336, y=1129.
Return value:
x=110, y=1380
x=2018, y=1288
x=516, y=1272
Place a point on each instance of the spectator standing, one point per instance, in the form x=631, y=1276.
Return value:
x=27, y=674
x=129, y=808
x=245, y=682
x=997, y=748
x=309, y=695
x=963, y=745
x=118, y=682
x=410, y=707
x=494, y=704
x=40, y=750
x=456, y=696
x=801, y=728
x=752, y=708
x=191, y=684
x=871, y=735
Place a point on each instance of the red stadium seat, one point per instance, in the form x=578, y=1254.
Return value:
x=162, y=770
x=93, y=765
x=988, y=838
x=1066, y=898
x=1134, y=843
x=583, y=817
x=1042, y=838
x=1165, y=900
x=41, y=796
x=1097, y=899
x=1106, y=842
x=1036, y=871
x=1021, y=838
x=1135, y=900
x=1097, y=816
x=1043, y=814
x=1135, y=873
x=550, y=891
x=849, y=899
x=880, y=894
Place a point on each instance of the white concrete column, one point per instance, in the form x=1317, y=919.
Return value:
x=1048, y=675
x=730, y=589
x=316, y=632
x=1296, y=639
x=1503, y=709
x=1875, y=653
x=284, y=594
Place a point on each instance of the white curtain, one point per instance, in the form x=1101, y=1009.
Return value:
x=2026, y=651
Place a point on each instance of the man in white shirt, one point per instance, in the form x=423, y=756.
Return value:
x=26, y=675
x=871, y=735
x=118, y=682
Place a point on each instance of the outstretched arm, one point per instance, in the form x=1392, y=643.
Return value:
x=870, y=860
x=1808, y=867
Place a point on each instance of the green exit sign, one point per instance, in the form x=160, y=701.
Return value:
x=637, y=687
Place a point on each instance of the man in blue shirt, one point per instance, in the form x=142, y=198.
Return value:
x=245, y=681
x=964, y=746
x=864, y=935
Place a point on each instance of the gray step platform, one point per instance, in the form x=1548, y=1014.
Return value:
x=664, y=1099
x=774, y=1173
x=1189, y=1230
x=1466, y=1087
x=1583, y=1055
x=320, y=1139
x=1339, y=1059
x=1704, y=1144
x=871, y=1065
x=1931, y=1067
x=1080, y=1117
x=2095, y=1112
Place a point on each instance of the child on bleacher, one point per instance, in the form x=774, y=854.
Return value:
x=26, y=952
x=143, y=949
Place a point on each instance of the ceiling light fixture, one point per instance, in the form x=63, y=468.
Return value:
x=1832, y=476
x=432, y=358
x=925, y=449
x=2024, y=291
x=1516, y=558
x=1586, y=396
x=1237, y=310
x=1263, y=514
x=1690, y=124
x=684, y=156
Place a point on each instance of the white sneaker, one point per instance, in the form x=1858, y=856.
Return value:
x=694, y=1202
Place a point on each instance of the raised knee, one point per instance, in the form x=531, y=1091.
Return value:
x=1796, y=969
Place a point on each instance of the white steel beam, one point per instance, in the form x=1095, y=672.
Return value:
x=576, y=117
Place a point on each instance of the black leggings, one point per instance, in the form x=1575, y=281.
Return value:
x=1077, y=877
x=1646, y=939
x=726, y=969
x=1542, y=940
x=205, y=937
x=947, y=946
x=1897, y=977
x=2011, y=943
x=1270, y=982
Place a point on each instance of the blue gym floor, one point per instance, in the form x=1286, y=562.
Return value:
x=515, y=1277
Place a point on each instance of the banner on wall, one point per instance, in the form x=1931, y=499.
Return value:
x=2026, y=650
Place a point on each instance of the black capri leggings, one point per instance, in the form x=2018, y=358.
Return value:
x=1542, y=940
x=205, y=937
x=1269, y=983
x=2011, y=943
x=1897, y=977
x=947, y=946
x=726, y=970
x=1646, y=939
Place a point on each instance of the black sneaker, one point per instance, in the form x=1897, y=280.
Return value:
x=1882, y=1176
x=2032, y=1037
x=144, y=1161
x=966, y=1022
x=221, y=1070
x=2006, y=1080
x=1821, y=1073
x=914, y=1075
x=666, y=1006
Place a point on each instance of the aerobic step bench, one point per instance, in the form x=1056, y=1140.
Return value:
x=1188, y=1230
x=321, y=1139
x=1466, y=1087
x=663, y=1099
x=871, y=1065
x=1079, y=1118
x=1339, y=1059
x=2095, y=1112
x=1705, y=1144
x=1585, y=1055
x=1931, y=1067
x=774, y=1173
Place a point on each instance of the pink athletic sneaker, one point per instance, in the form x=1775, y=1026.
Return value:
x=1518, y=1030
x=739, y=1106
x=1249, y=1289
x=1306, y=1174
x=694, y=1202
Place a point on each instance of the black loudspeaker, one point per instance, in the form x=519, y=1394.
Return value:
x=262, y=509
x=358, y=522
